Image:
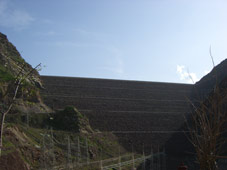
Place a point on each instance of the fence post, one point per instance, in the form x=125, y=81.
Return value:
x=69, y=154
x=87, y=153
x=152, y=160
x=78, y=150
x=133, y=158
x=164, y=159
x=101, y=166
x=133, y=161
x=44, y=150
x=144, y=161
x=119, y=160
x=52, y=147
x=158, y=161
x=27, y=119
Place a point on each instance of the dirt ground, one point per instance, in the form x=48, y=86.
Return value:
x=12, y=161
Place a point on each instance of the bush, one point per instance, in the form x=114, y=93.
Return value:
x=68, y=119
x=5, y=75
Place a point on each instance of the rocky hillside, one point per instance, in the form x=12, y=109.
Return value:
x=11, y=63
x=207, y=83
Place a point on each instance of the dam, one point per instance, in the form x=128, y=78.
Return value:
x=140, y=113
x=119, y=105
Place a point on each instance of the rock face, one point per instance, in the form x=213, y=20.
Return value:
x=11, y=63
x=203, y=87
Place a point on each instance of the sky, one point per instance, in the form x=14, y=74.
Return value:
x=148, y=40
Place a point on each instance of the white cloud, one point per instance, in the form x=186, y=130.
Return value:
x=13, y=17
x=186, y=75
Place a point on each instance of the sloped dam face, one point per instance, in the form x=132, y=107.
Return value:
x=141, y=114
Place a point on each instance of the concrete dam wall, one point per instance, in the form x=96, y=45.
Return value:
x=118, y=105
x=140, y=113
x=123, y=107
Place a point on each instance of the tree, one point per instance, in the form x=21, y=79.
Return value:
x=9, y=96
x=207, y=128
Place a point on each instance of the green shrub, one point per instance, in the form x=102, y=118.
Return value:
x=5, y=75
x=14, y=118
x=39, y=120
x=68, y=119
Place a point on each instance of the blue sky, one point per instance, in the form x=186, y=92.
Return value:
x=151, y=40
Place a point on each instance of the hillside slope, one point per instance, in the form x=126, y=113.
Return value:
x=11, y=63
x=203, y=87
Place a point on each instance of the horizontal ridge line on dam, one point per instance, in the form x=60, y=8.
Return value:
x=111, y=88
x=109, y=79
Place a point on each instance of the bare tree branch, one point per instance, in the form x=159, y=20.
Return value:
x=20, y=77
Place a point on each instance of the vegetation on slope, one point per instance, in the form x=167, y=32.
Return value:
x=44, y=147
x=11, y=64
